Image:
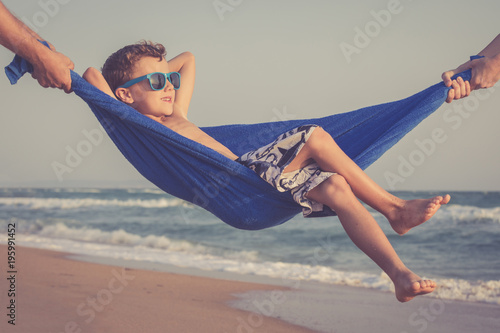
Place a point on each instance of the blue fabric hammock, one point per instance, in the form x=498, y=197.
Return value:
x=229, y=190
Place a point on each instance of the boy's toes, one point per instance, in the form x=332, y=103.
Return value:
x=430, y=209
x=433, y=205
x=437, y=200
x=446, y=199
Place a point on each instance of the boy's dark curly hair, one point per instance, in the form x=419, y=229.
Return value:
x=118, y=67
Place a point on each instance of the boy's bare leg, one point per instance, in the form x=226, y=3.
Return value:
x=402, y=214
x=368, y=237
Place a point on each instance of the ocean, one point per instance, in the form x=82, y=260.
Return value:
x=458, y=247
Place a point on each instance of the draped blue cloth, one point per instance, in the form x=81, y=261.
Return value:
x=232, y=192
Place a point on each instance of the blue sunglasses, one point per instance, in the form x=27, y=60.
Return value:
x=157, y=80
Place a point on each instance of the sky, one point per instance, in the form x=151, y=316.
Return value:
x=260, y=61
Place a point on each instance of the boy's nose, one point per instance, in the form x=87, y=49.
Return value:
x=168, y=86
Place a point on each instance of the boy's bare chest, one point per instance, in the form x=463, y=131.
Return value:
x=187, y=129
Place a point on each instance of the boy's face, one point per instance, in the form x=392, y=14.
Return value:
x=152, y=103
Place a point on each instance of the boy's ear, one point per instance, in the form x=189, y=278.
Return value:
x=124, y=95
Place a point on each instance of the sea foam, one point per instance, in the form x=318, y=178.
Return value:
x=120, y=244
x=61, y=203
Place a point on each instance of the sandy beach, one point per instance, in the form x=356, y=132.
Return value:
x=56, y=293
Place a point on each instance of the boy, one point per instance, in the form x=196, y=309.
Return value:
x=305, y=161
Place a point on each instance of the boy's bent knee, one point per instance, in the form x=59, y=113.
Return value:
x=333, y=191
x=319, y=133
x=319, y=138
x=339, y=192
x=335, y=185
x=338, y=183
x=338, y=189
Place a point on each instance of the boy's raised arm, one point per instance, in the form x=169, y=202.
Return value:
x=184, y=63
x=94, y=77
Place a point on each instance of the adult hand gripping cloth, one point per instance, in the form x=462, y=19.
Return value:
x=229, y=190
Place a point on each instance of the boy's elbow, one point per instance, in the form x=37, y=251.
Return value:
x=95, y=78
x=189, y=56
x=91, y=74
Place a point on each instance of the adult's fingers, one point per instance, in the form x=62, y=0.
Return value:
x=446, y=76
x=67, y=85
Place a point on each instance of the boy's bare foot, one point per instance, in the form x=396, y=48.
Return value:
x=415, y=212
x=408, y=285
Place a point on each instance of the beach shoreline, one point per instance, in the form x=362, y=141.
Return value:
x=61, y=292
x=54, y=293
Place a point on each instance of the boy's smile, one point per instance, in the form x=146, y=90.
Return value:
x=167, y=99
